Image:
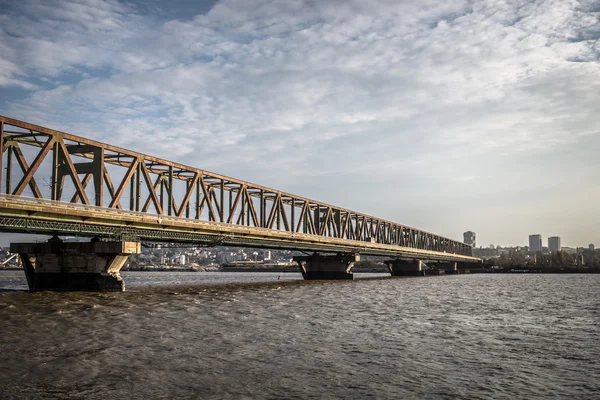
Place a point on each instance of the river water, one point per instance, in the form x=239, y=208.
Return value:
x=273, y=336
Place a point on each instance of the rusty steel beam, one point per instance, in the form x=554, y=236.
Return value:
x=29, y=215
x=204, y=196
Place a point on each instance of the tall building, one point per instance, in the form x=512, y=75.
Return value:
x=591, y=246
x=535, y=243
x=554, y=244
x=469, y=238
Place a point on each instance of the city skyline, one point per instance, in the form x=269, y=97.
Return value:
x=469, y=237
x=445, y=117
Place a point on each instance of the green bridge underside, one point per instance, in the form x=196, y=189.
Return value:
x=39, y=216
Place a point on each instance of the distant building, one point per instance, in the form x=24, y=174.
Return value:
x=554, y=244
x=535, y=243
x=469, y=238
x=182, y=259
x=569, y=250
x=591, y=246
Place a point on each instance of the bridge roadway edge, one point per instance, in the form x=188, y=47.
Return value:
x=52, y=217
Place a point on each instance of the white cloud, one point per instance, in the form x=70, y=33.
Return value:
x=417, y=94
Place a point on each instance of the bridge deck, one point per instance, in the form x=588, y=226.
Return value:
x=28, y=215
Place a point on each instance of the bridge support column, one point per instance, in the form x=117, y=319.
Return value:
x=400, y=267
x=464, y=268
x=449, y=267
x=319, y=266
x=61, y=266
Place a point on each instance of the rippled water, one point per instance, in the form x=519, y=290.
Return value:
x=229, y=336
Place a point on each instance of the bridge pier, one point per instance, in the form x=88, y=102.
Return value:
x=464, y=268
x=318, y=266
x=399, y=267
x=71, y=266
x=450, y=268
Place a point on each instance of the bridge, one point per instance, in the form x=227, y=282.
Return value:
x=62, y=184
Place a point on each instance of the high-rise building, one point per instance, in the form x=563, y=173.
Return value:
x=591, y=246
x=535, y=243
x=554, y=244
x=469, y=238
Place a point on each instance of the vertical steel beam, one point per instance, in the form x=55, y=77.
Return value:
x=187, y=206
x=132, y=192
x=170, y=191
x=305, y=216
x=242, y=194
x=55, y=162
x=1, y=148
x=263, y=217
x=138, y=185
x=277, y=203
x=293, y=216
x=162, y=193
x=317, y=219
x=198, y=199
x=99, y=176
x=230, y=215
x=248, y=200
x=222, y=201
x=9, y=170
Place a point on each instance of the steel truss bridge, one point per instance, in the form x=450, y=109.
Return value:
x=58, y=183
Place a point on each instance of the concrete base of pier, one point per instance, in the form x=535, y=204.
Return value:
x=434, y=272
x=400, y=267
x=71, y=266
x=319, y=266
x=449, y=268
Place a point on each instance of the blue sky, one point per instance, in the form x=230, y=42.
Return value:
x=446, y=116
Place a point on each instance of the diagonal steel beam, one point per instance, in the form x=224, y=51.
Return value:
x=233, y=207
x=187, y=196
x=73, y=172
x=34, y=167
x=25, y=167
x=152, y=189
x=86, y=179
x=205, y=191
x=124, y=182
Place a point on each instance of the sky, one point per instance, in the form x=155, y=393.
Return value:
x=478, y=115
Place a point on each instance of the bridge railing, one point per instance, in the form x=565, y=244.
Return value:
x=46, y=164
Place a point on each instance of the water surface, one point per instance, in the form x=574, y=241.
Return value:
x=272, y=335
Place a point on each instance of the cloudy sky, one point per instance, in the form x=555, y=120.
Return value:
x=446, y=116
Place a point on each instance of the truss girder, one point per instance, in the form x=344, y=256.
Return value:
x=142, y=183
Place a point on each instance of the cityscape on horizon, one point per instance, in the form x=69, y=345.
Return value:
x=535, y=243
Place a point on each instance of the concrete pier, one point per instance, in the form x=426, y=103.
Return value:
x=319, y=266
x=71, y=266
x=464, y=268
x=399, y=267
x=450, y=268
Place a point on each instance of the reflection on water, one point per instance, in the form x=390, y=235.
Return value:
x=233, y=335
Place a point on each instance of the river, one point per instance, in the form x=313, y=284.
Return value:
x=273, y=336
